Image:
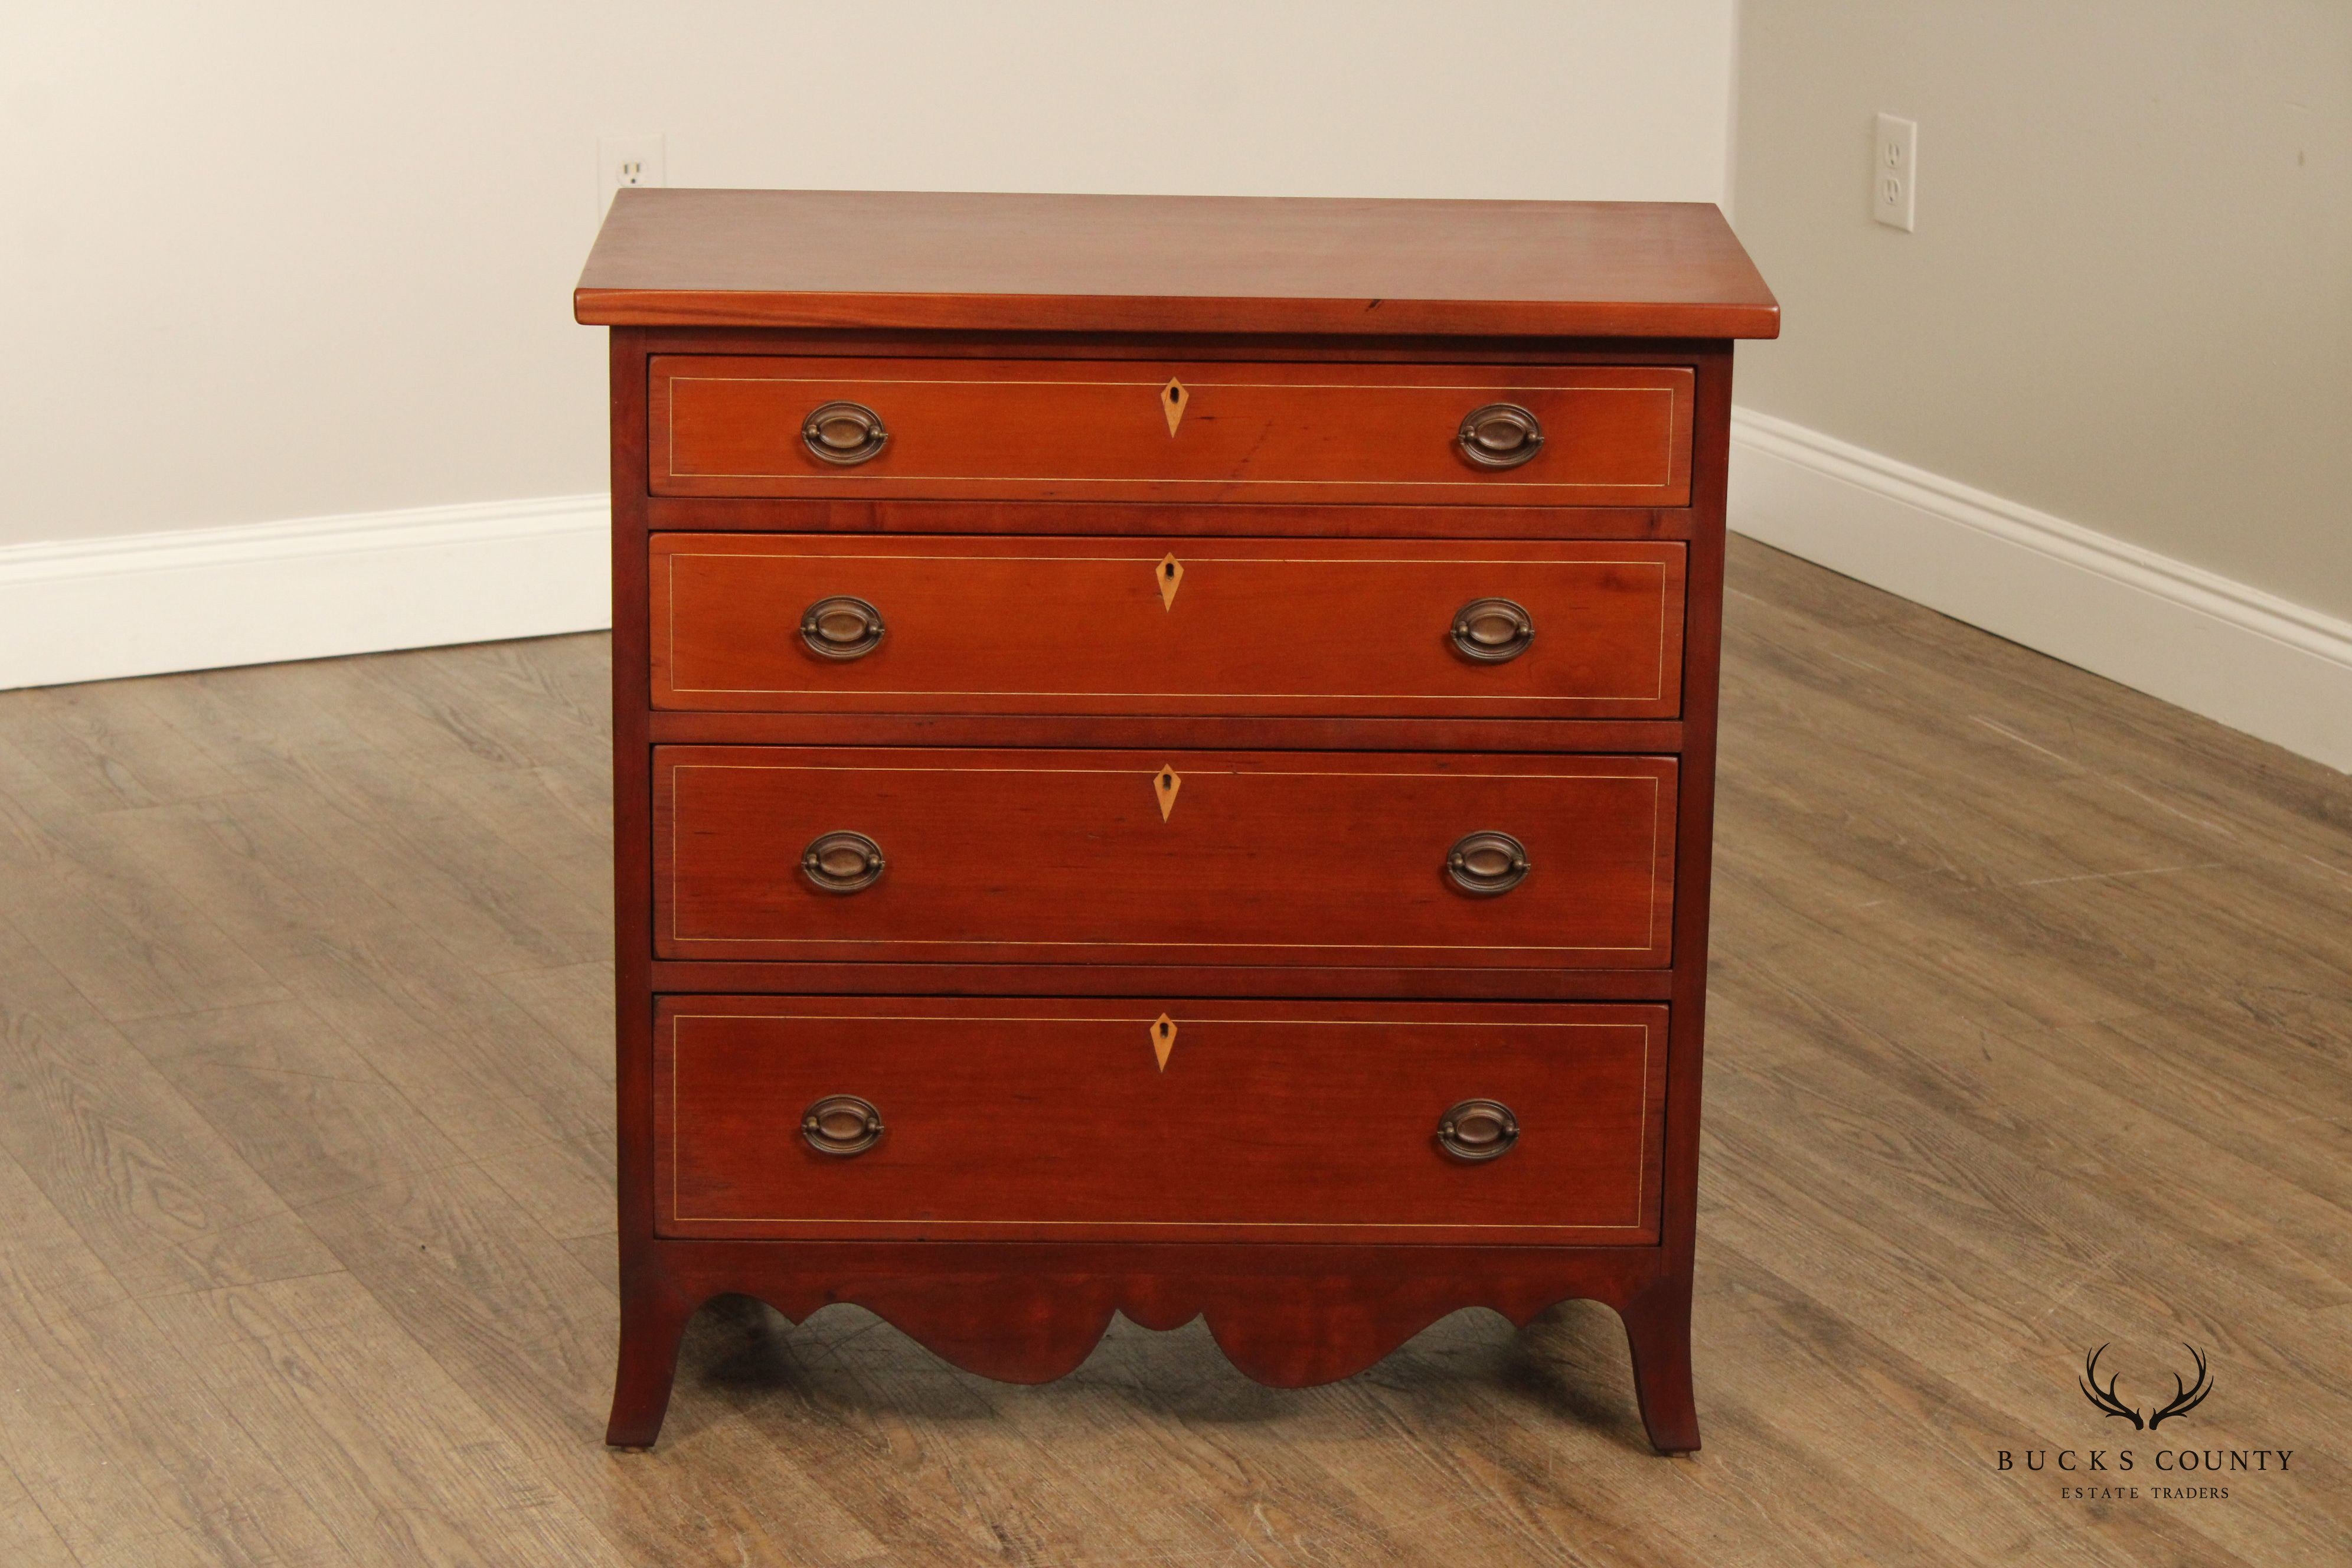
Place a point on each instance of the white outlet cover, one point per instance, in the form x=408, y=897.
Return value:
x=625, y=161
x=1894, y=172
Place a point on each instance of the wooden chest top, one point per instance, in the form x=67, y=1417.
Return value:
x=911, y=260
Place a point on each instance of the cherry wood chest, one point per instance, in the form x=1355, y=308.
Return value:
x=1164, y=754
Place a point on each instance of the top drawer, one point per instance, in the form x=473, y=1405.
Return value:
x=1043, y=429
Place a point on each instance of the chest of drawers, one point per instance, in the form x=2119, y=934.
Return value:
x=1163, y=761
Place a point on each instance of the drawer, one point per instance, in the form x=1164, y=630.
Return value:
x=1079, y=1120
x=1236, y=857
x=1146, y=627
x=1109, y=430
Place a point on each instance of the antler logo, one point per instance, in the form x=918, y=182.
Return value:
x=2186, y=1397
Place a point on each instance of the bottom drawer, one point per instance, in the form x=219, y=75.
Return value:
x=1101, y=1120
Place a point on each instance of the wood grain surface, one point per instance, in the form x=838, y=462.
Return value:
x=1226, y=520
x=1171, y=264
x=1056, y=1120
x=1265, y=857
x=2028, y=1031
x=1187, y=732
x=1247, y=627
x=1097, y=430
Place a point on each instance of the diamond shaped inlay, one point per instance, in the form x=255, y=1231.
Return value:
x=1172, y=398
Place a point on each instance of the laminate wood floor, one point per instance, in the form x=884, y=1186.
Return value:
x=2032, y=1002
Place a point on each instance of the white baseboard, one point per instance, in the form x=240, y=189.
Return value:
x=2249, y=660
x=258, y=594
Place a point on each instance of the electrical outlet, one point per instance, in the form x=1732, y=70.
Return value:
x=1894, y=172
x=626, y=161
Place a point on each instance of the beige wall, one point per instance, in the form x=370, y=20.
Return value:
x=2130, y=299
x=269, y=261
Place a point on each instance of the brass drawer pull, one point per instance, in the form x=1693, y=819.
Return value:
x=1479, y=1130
x=841, y=627
x=841, y=1124
x=843, y=434
x=841, y=862
x=1485, y=864
x=1500, y=435
x=1493, y=631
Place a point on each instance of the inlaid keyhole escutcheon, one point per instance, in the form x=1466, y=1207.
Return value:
x=1172, y=399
